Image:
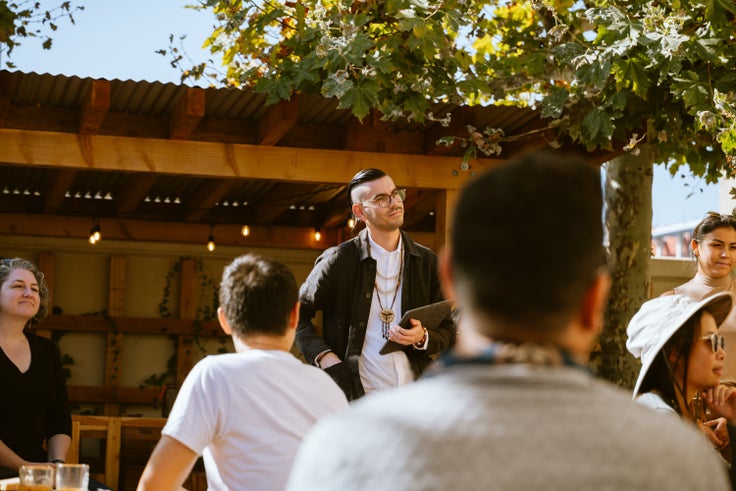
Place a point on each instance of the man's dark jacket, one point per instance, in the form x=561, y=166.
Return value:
x=341, y=285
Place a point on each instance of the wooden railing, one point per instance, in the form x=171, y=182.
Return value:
x=112, y=394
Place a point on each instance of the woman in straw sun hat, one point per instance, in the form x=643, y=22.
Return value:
x=682, y=355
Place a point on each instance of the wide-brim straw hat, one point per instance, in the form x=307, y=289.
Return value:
x=659, y=319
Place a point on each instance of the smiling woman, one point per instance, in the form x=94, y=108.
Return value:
x=714, y=248
x=34, y=407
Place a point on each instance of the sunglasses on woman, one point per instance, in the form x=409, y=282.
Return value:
x=716, y=341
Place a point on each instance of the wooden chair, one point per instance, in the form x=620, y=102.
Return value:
x=104, y=428
x=114, y=431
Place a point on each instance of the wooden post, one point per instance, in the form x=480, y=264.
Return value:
x=114, y=341
x=187, y=310
x=443, y=212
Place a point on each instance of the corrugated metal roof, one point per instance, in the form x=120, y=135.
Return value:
x=145, y=109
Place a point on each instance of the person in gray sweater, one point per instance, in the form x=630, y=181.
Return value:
x=513, y=405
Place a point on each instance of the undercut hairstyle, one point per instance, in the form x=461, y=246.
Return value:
x=366, y=175
x=257, y=294
x=8, y=265
x=527, y=240
x=711, y=222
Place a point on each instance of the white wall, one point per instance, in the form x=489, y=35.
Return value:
x=726, y=202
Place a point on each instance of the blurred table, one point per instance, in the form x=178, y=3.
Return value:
x=9, y=483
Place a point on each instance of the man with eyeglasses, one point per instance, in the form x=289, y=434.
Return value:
x=362, y=287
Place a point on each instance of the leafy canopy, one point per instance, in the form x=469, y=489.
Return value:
x=605, y=74
x=27, y=19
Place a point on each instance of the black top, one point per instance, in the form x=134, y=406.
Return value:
x=34, y=405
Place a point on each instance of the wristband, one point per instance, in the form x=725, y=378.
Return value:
x=319, y=357
x=422, y=342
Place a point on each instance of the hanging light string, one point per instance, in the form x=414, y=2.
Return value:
x=95, y=235
x=211, y=239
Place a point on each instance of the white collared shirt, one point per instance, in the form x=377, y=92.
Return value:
x=379, y=371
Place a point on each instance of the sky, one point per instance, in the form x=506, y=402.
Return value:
x=117, y=39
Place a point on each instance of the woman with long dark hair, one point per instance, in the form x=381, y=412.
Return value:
x=682, y=355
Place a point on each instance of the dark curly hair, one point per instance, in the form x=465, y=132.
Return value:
x=257, y=294
x=8, y=265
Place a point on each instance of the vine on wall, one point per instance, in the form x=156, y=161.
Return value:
x=206, y=310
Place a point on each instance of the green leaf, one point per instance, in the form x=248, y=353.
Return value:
x=554, y=103
x=632, y=74
x=276, y=90
x=715, y=10
x=691, y=90
x=595, y=73
x=336, y=86
x=596, y=127
x=446, y=141
x=706, y=49
x=360, y=98
x=727, y=139
x=619, y=101
x=470, y=153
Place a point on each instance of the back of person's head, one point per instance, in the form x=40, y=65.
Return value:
x=711, y=222
x=257, y=294
x=365, y=175
x=526, y=240
x=8, y=265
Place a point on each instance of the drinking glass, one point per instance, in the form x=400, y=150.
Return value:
x=72, y=477
x=36, y=477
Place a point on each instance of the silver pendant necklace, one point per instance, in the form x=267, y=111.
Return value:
x=387, y=314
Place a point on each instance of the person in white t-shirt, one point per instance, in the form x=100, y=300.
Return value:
x=245, y=412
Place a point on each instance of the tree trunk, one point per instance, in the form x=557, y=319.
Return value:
x=629, y=223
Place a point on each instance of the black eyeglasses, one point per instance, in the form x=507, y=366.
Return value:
x=383, y=200
x=716, y=341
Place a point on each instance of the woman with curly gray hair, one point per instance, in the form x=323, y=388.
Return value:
x=34, y=407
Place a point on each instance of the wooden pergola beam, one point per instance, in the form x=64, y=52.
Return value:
x=279, y=198
x=187, y=114
x=278, y=120
x=205, y=198
x=54, y=195
x=207, y=159
x=136, y=191
x=5, y=88
x=115, y=229
x=95, y=108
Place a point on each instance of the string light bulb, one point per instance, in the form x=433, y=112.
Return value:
x=95, y=234
x=211, y=239
x=317, y=235
x=245, y=231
